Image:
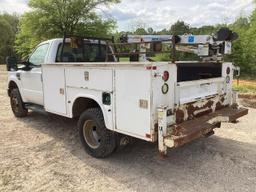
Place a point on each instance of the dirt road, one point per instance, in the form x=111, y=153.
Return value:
x=43, y=153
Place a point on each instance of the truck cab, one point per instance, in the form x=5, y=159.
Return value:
x=29, y=78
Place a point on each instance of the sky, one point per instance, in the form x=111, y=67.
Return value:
x=160, y=14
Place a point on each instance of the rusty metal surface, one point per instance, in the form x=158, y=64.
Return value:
x=192, y=110
x=199, y=127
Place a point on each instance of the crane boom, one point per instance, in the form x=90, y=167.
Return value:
x=212, y=47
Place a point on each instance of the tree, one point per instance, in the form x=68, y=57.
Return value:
x=162, y=32
x=150, y=31
x=140, y=31
x=179, y=28
x=204, y=30
x=54, y=18
x=247, y=45
x=240, y=26
x=8, y=29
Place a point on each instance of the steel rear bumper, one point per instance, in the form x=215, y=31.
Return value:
x=190, y=130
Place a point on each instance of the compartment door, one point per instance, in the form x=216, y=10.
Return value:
x=54, y=90
x=133, y=102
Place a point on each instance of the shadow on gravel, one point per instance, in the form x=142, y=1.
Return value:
x=212, y=162
x=248, y=102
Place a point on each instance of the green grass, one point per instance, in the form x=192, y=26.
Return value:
x=156, y=58
x=161, y=57
x=124, y=59
x=245, y=85
x=247, y=77
x=245, y=88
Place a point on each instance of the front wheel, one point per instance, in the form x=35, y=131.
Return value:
x=17, y=104
x=96, y=139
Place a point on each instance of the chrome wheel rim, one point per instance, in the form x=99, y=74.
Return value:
x=91, y=134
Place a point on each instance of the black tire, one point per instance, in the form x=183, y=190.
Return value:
x=96, y=139
x=17, y=104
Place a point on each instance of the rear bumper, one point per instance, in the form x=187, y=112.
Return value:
x=190, y=130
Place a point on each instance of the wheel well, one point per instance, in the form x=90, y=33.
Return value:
x=12, y=85
x=81, y=104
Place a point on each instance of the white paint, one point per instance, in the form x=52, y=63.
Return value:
x=74, y=93
x=54, y=90
x=99, y=79
x=197, y=90
x=31, y=85
x=130, y=87
x=127, y=83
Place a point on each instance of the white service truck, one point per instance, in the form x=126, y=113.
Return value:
x=170, y=102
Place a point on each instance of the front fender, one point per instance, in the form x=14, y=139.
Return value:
x=12, y=77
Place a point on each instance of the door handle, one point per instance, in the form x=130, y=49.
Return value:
x=62, y=91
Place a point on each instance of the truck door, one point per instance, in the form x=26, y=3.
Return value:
x=31, y=80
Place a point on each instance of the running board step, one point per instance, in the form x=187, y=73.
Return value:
x=34, y=107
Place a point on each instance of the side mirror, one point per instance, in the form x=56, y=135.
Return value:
x=11, y=63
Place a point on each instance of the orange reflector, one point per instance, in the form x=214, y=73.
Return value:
x=151, y=68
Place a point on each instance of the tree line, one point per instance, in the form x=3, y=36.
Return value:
x=54, y=18
x=243, y=50
x=8, y=31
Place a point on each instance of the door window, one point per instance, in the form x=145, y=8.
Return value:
x=38, y=56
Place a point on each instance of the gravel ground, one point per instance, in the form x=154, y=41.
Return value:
x=42, y=153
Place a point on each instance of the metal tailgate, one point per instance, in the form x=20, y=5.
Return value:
x=191, y=91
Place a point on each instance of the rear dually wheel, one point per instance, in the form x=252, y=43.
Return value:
x=97, y=140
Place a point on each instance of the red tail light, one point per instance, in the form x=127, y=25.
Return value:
x=228, y=71
x=166, y=76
